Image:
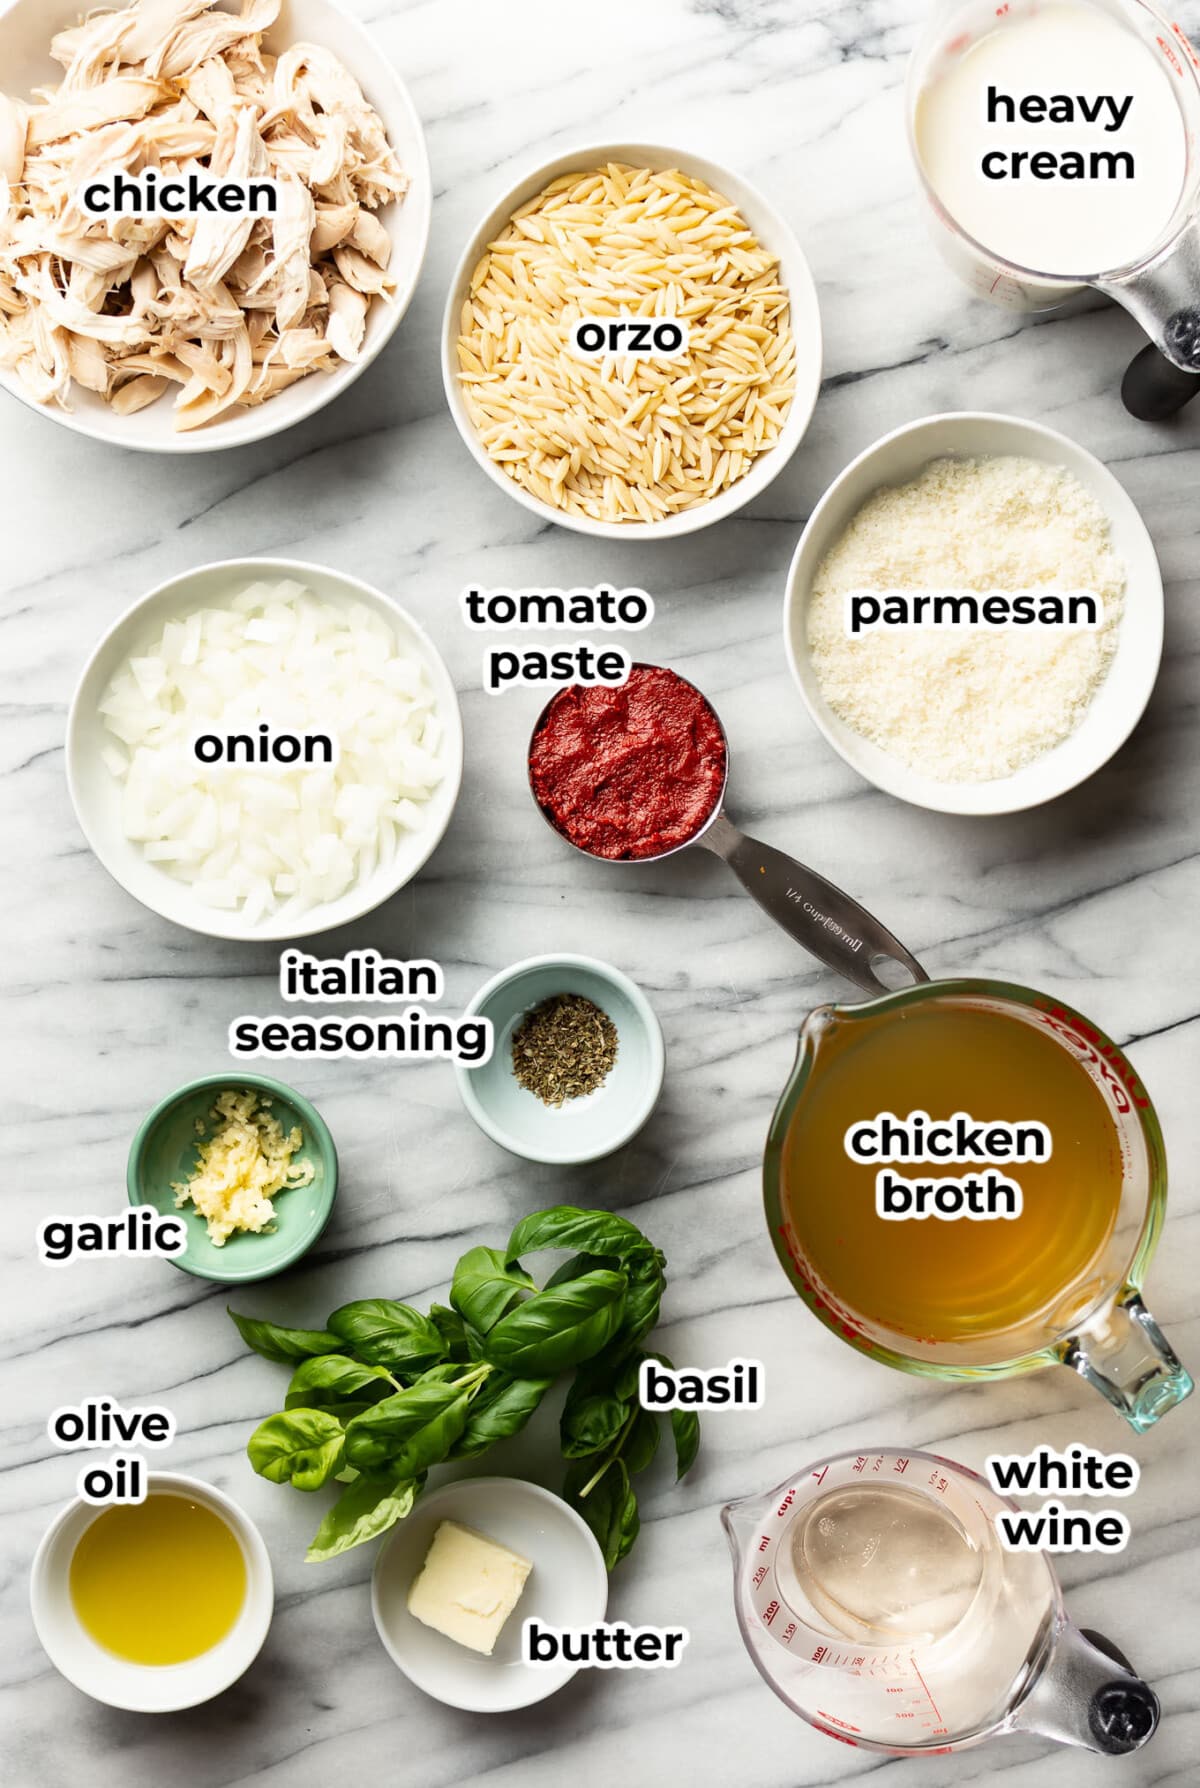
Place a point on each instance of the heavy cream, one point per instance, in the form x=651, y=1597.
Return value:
x=1055, y=141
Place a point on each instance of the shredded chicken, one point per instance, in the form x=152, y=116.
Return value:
x=221, y=310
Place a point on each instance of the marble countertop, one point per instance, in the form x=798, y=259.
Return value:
x=108, y=1007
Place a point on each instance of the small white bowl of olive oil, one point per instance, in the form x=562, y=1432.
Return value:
x=153, y=1606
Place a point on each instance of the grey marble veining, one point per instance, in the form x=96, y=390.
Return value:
x=107, y=1006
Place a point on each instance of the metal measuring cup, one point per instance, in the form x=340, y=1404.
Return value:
x=820, y=917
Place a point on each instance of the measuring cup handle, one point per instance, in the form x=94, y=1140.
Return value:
x=830, y=925
x=1129, y=1360
x=1154, y=388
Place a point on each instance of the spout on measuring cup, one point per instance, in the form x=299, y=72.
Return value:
x=1129, y=1360
x=739, y=1519
x=1087, y=1695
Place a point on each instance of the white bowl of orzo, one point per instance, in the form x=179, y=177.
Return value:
x=632, y=343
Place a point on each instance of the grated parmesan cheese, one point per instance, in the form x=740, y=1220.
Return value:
x=968, y=704
x=242, y=1167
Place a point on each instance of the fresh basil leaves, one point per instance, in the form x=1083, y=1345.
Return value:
x=388, y=1334
x=362, y=1512
x=559, y=1327
x=284, y=1345
x=302, y=1447
x=486, y=1288
x=383, y=1393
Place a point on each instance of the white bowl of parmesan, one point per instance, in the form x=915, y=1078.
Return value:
x=974, y=614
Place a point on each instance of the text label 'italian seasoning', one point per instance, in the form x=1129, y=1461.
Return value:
x=362, y=974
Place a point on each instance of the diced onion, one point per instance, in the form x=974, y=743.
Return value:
x=273, y=839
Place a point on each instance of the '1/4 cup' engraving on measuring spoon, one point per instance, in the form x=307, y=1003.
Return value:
x=816, y=914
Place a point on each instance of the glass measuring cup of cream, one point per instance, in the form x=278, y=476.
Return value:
x=1056, y=147
x=966, y=1179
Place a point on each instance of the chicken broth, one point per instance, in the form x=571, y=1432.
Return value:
x=932, y=1279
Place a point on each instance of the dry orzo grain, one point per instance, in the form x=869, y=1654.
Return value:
x=620, y=439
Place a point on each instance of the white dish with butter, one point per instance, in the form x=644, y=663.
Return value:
x=567, y=1587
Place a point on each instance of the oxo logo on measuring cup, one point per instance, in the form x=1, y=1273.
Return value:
x=875, y=1600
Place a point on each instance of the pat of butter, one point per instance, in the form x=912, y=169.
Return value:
x=467, y=1587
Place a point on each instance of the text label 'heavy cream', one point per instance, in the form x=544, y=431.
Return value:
x=983, y=1197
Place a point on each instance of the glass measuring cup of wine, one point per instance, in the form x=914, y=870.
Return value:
x=963, y=1295
x=1056, y=148
x=875, y=1597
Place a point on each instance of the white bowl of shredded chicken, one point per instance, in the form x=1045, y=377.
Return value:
x=246, y=848
x=199, y=333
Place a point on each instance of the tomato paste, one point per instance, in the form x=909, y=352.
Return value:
x=631, y=771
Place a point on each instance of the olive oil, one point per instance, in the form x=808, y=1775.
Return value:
x=158, y=1582
x=934, y=1280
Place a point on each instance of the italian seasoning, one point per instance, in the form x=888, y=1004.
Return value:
x=564, y=1049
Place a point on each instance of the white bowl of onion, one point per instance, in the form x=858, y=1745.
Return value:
x=281, y=849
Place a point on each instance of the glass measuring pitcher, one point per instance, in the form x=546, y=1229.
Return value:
x=875, y=1597
x=1088, y=1312
x=1161, y=285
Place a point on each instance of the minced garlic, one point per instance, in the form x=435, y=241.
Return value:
x=242, y=1167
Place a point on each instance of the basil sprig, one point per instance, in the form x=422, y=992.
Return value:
x=382, y=1393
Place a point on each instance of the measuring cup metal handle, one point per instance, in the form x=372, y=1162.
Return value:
x=1088, y=1694
x=1154, y=387
x=830, y=925
x=1129, y=1360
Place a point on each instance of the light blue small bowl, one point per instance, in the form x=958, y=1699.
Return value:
x=582, y=1129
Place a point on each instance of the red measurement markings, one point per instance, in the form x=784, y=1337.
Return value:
x=844, y=1724
x=759, y=1576
x=1185, y=46
x=1169, y=53
x=937, y=1712
x=770, y=1611
x=901, y=1466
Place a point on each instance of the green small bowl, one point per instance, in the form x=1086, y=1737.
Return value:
x=164, y=1149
